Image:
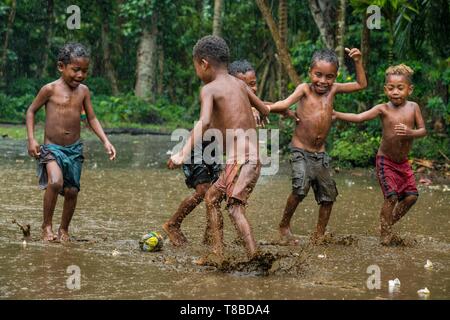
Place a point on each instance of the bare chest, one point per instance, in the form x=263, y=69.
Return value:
x=65, y=102
x=391, y=117
x=315, y=108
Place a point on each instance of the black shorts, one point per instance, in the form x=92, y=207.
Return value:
x=201, y=173
x=312, y=169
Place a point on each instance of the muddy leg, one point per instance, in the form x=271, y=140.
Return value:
x=324, y=216
x=403, y=207
x=237, y=214
x=285, y=224
x=172, y=226
x=213, y=200
x=70, y=202
x=55, y=184
x=386, y=219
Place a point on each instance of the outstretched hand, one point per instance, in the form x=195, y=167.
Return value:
x=354, y=53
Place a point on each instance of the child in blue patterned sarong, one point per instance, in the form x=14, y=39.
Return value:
x=61, y=156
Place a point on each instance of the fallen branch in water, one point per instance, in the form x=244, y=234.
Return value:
x=443, y=154
x=26, y=230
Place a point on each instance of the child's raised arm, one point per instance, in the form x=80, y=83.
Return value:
x=420, y=131
x=283, y=105
x=360, y=117
x=96, y=126
x=361, y=81
x=41, y=98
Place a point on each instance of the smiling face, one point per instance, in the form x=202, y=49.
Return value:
x=249, y=78
x=74, y=72
x=322, y=75
x=397, y=89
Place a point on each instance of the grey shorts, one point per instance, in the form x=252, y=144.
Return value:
x=312, y=169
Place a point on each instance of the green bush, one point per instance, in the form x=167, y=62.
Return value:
x=430, y=147
x=131, y=109
x=355, y=148
x=13, y=109
x=26, y=86
x=127, y=108
x=98, y=86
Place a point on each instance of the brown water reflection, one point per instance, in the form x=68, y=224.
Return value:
x=122, y=200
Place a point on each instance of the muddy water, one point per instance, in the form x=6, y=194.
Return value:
x=124, y=199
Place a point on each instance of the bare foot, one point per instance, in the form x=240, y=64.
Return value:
x=287, y=238
x=63, y=235
x=318, y=239
x=210, y=259
x=392, y=240
x=47, y=234
x=175, y=235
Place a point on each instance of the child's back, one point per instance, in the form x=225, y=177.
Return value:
x=226, y=106
x=232, y=108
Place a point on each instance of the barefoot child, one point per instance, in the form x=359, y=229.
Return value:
x=201, y=176
x=225, y=106
x=61, y=156
x=402, y=122
x=310, y=163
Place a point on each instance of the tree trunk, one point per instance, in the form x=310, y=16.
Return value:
x=265, y=74
x=43, y=72
x=9, y=27
x=160, y=88
x=281, y=47
x=322, y=12
x=283, y=27
x=217, y=20
x=109, y=69
x=365, y=42
x=391, y=42
x=340, y=32
x=145, y=79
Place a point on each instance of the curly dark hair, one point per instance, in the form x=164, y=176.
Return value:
x=327, y=55
x=401, y=69
x=212, y=48
x=72, y=50
x=240, y=66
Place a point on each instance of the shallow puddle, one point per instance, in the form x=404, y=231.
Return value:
x=122, y=200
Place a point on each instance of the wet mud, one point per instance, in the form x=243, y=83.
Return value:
x=121, y=201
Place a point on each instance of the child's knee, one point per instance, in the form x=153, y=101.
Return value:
x=212, y=198
x=297, y=197
x=71, y=193
x=55, y=185
x=412, y=199
x=391, y=200
x=201, y=190
x=326, y=204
